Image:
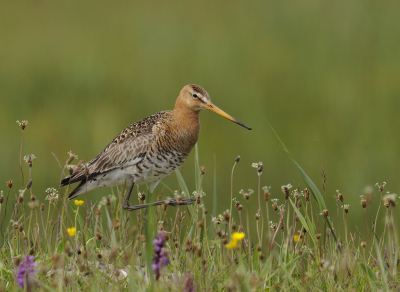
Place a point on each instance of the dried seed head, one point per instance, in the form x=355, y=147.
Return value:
x=325, y=213
x=20, y=228
x=202, y=170
x=340, y=196
x=318, y=236
x=72, y=156
x=164, y=206
x=198, y=252
x=113, y=254
x=99, y=236
x=390, y=200
x=31, y=251
x=224, y=240
x=219, y=233
x=29, y=184
x=286, y=190
x=261, y=256
x=142, y=196
x=259, y=248
x=20, y=199
x=116, y=224
x=33, y=198
x=246, y=196
x=201, y=224
x=205, y=211
x=55, y=259
x=299, y=204
x=237, y=203
x=240, y=207
x=97, y=212
x=307, y=194
x=198, y=200
x=227, y=216
x=108, y=201
x=241, y=229
x=296, y=218
x=296, y=194
x=275, y=207
x=381, y=187
x=142, y=238
x=364, y=203
x=266, y=196
x=363, y=244
x=260, y=169
x=272, y=225
x=237, y=159
x=233, y=227
x=176, y=244
x=68, y=251
x=282, y=225
x=9, y=184
x=22, y=124
x=257, y=216
x=99, y=256
x=187, y=248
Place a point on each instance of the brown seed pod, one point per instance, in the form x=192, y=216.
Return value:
x=307, y=194
x=202, y=170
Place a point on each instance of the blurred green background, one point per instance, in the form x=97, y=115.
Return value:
x=324, y=74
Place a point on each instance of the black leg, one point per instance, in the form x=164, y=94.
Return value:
x=172, y=202
x=126, y=205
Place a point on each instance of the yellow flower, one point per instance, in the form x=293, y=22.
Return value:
x=78, y=203
x=71, y=231
x=232, y=244
x=236, y=237
x=297, y=238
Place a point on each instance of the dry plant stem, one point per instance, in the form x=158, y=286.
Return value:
x=5, y=213
x=279, y=223
x=260, y=210
x=345, y=225
x=291, y=240
x=266, y=207
x=248, y=232
x=20, y=158
x=230, y=210
x=376, y=220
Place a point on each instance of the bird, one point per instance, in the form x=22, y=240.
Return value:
x=149, y=150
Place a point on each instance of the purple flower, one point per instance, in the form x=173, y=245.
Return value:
x=26, y=271
x=188, y=284
x=160, y=254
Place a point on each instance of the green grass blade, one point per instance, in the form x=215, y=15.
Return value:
x=310, y=184
x=309, y=228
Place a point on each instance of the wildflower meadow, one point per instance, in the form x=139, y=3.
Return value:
x=290, y=244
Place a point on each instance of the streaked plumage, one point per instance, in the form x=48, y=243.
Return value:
x=148, y=150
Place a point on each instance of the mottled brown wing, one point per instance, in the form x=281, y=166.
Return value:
x=128, y=148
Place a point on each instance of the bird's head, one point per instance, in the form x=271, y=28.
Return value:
x=196, y=98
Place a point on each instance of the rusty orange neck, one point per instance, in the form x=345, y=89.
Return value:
x=187, y=124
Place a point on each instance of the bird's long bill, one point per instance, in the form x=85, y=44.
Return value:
x=212, y=107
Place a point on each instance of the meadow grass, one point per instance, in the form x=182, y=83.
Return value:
x=97, y=246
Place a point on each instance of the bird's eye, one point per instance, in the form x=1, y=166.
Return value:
x=195, y=95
